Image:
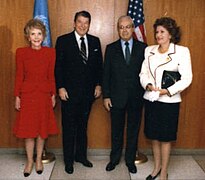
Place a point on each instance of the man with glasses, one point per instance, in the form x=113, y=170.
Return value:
x=122, y=92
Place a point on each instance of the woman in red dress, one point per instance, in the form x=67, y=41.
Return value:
x=35, y=94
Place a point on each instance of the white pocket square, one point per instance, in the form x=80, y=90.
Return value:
x=95, y=49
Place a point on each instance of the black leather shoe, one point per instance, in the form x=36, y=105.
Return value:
x=26, y=174
x=69, y=169
x=150, y=177
x=39, y=171
x=110, y=166
x=132, y=168
x=85, y=162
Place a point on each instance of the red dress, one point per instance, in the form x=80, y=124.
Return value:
x=35, y=84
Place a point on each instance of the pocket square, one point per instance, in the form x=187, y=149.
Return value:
x=95, y=49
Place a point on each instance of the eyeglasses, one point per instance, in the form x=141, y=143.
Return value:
x=125, y=27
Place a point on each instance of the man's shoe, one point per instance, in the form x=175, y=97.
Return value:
x=110, y=166
x=132, y=168
x=85, y=163
x=69, y=169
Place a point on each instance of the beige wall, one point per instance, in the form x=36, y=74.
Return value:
x=188, y=13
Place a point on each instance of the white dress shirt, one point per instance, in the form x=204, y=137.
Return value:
x=77, y=36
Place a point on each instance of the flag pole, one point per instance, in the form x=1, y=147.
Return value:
x=47, y=157
x=135, y=11
x=140, y=158
x=41, y=12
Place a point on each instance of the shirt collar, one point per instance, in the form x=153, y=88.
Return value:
x=78, y=36
x=170, y=50
x=130, y=42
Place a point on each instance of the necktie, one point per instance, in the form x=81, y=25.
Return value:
x=127, y=52
x=83, y=50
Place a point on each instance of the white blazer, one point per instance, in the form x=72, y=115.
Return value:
x=178, y=59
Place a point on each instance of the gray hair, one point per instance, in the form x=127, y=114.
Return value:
x=125, y=17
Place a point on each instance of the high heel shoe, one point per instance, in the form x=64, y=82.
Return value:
x=150, y=177
x=39, y=170
x=27, y=173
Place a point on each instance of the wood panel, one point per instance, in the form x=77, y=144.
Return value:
x=189, y=14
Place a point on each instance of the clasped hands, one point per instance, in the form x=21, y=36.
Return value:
x=154, y=93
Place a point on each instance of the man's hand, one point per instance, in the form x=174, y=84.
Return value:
x=98, y=91
x=63, y=94
x=107, y=104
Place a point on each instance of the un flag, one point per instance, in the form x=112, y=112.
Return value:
x=41, y=12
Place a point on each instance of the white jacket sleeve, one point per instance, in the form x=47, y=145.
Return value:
x=185, y=69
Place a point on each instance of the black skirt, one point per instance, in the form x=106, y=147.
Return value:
x=161, y=121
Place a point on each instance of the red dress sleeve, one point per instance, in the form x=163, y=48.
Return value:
x=51, y=76
x=19, y=77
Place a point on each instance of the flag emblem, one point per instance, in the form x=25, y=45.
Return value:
x=41, y=12
x=135, y=11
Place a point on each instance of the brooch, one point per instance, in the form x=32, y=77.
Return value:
x=168, y=59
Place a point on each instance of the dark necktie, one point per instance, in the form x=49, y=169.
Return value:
x=127, y=52
x=83, y=50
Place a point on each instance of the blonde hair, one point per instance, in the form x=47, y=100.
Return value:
x=34, y=23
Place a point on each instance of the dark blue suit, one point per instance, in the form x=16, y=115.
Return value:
x=121, y=84
x=79, y=80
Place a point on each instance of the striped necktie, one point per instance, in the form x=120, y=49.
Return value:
x=83, y=50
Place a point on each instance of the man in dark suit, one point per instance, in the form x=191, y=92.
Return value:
x=78, y=74
x=122, y=92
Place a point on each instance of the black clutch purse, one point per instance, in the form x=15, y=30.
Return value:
x=169, y=78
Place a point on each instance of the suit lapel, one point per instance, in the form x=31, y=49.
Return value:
x=74, y=41
x=90, y=43
x=135, y=52
x=119, y=52
x=171, y=51
x=167, y=60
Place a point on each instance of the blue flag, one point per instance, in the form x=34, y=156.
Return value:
x=41, y=12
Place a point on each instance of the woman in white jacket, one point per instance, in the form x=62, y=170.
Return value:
x=162, y=104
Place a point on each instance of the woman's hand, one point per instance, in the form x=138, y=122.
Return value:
x=17, y=103
x=53, y=99
x=150, y=87
x=164, y=92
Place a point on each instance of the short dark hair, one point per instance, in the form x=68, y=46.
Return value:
x=171, y=26
x=84, y=14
